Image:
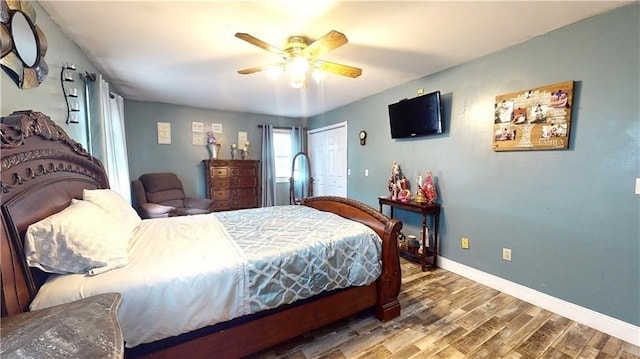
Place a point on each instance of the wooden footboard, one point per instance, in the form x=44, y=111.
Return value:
x=387, y=305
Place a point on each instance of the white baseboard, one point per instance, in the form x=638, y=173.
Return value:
x=617, y=328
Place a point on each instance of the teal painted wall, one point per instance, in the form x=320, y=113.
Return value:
x=571, y=216
x=48, y=98
x=181, y=156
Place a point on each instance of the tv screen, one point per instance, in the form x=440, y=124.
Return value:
x=419, y=116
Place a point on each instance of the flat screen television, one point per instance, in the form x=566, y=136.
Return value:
x=419, y=116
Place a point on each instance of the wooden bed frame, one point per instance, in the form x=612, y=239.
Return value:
x=43, y=169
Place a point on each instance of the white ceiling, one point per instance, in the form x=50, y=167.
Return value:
x=185, y=52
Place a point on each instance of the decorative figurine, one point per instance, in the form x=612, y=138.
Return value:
x=404, y=194
x=393, y=178
x=233, y=151
x=398, y=185
x=429, y=189
x=244, y=152
x=419, y=196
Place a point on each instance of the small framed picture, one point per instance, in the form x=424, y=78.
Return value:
x=164, y=133
x=197, y=127
x=198, y=139
x=242, y=138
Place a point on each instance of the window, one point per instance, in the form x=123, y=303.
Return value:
x=282, y=154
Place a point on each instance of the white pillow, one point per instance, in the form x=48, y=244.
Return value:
x=115, y=205
x=82, y=238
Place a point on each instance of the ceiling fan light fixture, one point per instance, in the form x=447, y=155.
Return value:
x=299, y=65
x=298, y=72
x=300, y=59
x=297, y=84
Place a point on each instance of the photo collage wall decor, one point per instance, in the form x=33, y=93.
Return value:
x=535, y=119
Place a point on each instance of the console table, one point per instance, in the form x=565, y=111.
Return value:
x=425, y=210
x=86, y=328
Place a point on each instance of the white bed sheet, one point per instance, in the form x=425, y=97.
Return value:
x=190, y=277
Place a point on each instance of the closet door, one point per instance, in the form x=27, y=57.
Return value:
x=328, y=156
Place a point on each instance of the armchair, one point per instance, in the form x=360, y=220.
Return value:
x=157, y=195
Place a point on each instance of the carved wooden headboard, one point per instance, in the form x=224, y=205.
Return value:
x=42, y=170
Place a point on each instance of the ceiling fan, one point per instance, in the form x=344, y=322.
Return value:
x=299, y=57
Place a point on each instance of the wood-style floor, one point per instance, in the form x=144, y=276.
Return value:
x=445, y=315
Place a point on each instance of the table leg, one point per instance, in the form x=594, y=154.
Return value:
x=424, y=243
x=436, y=224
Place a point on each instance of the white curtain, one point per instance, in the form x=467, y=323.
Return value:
x=298, y=140
x=107, y=139
x=268, y=166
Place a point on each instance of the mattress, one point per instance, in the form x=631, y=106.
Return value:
x=185, y=273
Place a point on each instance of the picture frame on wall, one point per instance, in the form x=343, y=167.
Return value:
x=197, y=127
x=164, y=133
x=197, y=139
x=242, y=138
x=534, y=119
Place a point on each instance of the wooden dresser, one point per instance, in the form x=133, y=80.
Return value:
x=233, y=184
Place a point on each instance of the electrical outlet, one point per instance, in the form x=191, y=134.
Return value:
x=348, y=171
x=366, y=172
x=464, y=242
x=506, y=254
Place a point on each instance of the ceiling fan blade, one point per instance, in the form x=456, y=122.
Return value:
x=257, y=42
x=338, y=69
x=328, y=42
x=255, y=69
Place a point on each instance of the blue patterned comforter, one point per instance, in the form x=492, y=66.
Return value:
x=295, y=252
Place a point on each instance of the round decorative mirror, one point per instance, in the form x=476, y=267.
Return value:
x=24, y=39
x=23, y=44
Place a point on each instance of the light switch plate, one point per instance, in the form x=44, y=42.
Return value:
x=637, y=185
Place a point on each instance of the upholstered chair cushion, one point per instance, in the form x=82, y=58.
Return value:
x=156, y=182
x=187, y=211
x=163, y=188
x=172, y=197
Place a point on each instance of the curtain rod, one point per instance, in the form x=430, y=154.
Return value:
x=88, y=76
x=278, y=127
